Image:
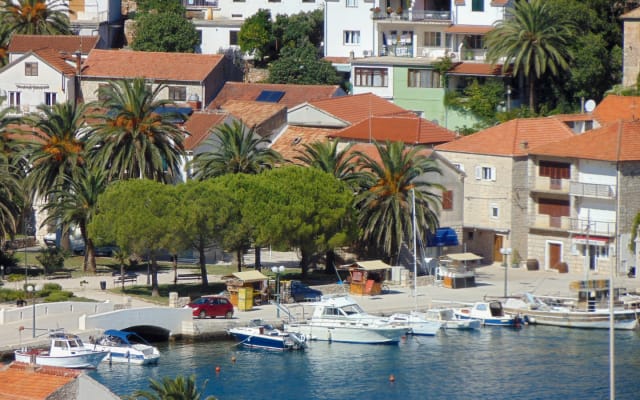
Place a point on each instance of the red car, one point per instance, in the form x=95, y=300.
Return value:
x=212, y=306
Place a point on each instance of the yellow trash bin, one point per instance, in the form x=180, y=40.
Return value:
x=245, y=299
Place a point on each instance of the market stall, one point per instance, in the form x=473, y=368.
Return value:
x=366, y=277
x=244, y=287
x=457, y=271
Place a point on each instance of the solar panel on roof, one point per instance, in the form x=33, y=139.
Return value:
x=270, y=96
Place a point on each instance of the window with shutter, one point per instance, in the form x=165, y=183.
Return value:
x=447, y=200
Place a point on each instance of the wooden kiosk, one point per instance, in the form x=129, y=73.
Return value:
x=366, y=277
x=457, y=271
x=243, y=288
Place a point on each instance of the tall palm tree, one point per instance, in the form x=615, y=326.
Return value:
x=5, y=35
x=132, y=139
x=385, y=205
x=180, y=388
x=326, y=157
x=36, y=17
x=235, y=149
x=9, y=198
x=534, y=38
x=75, y=204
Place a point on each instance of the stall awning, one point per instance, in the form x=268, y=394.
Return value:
x=593, y=240
x=248, y=276
x=372, y=265
x=464, y=257
x=443, y=237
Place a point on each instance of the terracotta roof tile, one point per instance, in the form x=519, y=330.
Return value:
x=613, y=108
x=407, y=128
x=338, y=60
x=68, y=44
x=152, y=65
x=619, y=141
x=499, y=3
x=469, y=29
x=573, y=117
x=291, y=142
x=370, y=150
x=55, y=60
x=252, y=113
x=293, y=94
x=512, y=138
x=459, y=2
x=357, y=107
x=25, y=382
x=199, y=126
x=476, y=69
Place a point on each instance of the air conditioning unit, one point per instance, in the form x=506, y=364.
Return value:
x=365, y=53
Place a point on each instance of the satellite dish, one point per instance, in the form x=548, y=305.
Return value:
x=589, y=106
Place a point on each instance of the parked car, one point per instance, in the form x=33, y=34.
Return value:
x=212, y=306
x=301, y=292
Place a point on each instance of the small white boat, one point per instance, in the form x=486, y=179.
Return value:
x=415, y=324
x=489, y=313
x=340, y=319
x=125, y=347
x=265, y=336
x=448, y=319
x=65, y=350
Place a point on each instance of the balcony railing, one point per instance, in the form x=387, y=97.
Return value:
x=593, y=190
x=417, y=16
x=544, y=221
x=545, y=184
x=600, y=228
x=200, y=3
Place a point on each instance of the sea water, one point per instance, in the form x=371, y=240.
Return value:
x=534, y=362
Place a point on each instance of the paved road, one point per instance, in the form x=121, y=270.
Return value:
x=489, y=279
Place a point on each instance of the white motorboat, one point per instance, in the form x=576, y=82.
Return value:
x=489, y=313
x=264, y=336
x=340, y=319
x=65, y=350
x=125, y=347
x=536, y=311
x=416, y=324
x=448, y=319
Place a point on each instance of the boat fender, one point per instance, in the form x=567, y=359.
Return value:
x=392, y=378
x=233, y=359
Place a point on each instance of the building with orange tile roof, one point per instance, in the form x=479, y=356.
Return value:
x=66, y=45
x=614, y=108
x=266, y=119
x=187, y=77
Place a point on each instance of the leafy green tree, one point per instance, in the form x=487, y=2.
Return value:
x=480, y=99
x=133, y=140
x=235, y=149
x=301, y=65
x=160, y=6
x=385, y=205
x=325, y=156
x=36, y=17
x=256, y=37
x=167, y=31
x=179, y=388
x=51, y=258
x=74, y=204
x=292, y=30
x=140, y=217
x=534, y=39
x=303, y=208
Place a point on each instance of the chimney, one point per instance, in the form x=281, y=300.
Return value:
x=78, y=62
x=194, y=102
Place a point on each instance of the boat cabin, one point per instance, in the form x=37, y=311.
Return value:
x=366, y=277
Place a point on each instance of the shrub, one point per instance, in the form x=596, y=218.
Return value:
x=51, y=258
x=61, y=295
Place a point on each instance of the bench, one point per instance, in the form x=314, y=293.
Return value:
x=128, y=277
x=59, y=275
x=187, y=261
x=187, y=277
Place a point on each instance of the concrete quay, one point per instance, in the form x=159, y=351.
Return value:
x=489, y=282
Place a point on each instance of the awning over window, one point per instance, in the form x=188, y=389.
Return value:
x=443, y=237
x=593, y=240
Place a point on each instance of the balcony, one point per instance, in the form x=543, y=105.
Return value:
x=596, y=228
x=544, y=221
x=551, y=185
x=200, y=3
x=431, y=17
x=592, y=190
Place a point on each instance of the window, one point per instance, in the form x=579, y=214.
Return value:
x=485, y=173
x=274, y=1
x=14, y=99
x=555, y=170
x=447, y=200
x=351, y=3
x=470, y=235
x=351, y=37
x=178, y=93
x=49, y=98
x=308, y=1
x=376, y=77
x=494, y=211
x=433, y=39
x=477, y=5
x=423, y=78
x=31, y=69
x=475, y=42
x=233, y=38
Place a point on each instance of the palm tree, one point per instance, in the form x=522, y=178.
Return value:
x=385, y=206
x=180, y=388
x=5, y=35
x=132, y=139
x=36, y=17
x=326, y=157
x=235, y=150
x=74, y=204
x=9, y=198
x=534, y=38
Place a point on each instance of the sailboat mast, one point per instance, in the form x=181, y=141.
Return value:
x=415, y=250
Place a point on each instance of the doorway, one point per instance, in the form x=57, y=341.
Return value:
x=497, y=246
x=555, y=255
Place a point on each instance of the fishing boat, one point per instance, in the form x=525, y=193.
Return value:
x=548, y=311
x=416, y=324
x=264, y=336
x=65, y=350
x=125, y=347
x=448, y=319
x=339, y=318
x=489, y=313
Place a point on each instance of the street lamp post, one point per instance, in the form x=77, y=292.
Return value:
x=505, y=252
x=508, y=98
x=277, y=271
x=31, y=289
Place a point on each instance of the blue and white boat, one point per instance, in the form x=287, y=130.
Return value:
x=125, y=347
x=489, y=313
x=264, y=336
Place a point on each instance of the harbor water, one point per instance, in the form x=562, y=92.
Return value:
x=534, y=362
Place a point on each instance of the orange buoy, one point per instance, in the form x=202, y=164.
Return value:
x=218, y=369
x=392, y=378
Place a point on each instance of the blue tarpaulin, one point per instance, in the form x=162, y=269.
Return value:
x=443, y=237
